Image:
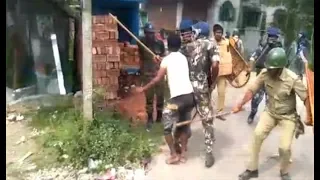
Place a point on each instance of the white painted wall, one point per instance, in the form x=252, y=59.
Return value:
x=251, y=39
x=252, y=34
x=179, y=13
x=270, y=11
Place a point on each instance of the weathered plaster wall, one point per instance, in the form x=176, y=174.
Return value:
x=213, y=17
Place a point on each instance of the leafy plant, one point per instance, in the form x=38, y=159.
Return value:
x=108, y=138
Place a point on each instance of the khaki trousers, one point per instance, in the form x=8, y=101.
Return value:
x=221, y=88
x=264, y=127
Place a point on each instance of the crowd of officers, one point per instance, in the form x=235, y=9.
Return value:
x=196, y=63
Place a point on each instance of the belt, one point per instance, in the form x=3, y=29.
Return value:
x=149, y=74
x=286, y=113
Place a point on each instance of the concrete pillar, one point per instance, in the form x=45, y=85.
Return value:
x=216, y=9
x=179, y=13
x=210, y=14
x=87, y=59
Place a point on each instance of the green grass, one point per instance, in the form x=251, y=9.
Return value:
x=108, y=137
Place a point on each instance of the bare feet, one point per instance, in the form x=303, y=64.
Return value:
x=174, y=159
x=183, y=158
x=177, y=147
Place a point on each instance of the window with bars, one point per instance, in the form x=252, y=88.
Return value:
x=251, y=17
x=227, y=12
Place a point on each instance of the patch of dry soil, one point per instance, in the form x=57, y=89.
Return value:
x=14, y=151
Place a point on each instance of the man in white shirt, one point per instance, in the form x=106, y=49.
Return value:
x=181, y=102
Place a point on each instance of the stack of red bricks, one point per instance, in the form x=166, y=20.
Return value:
x=129, y=55
x=133, y=105
x=129, y=58
x=106, y=55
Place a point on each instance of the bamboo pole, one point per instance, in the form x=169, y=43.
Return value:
x=132, y=35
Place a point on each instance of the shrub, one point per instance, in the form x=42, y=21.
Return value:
x=108, y=138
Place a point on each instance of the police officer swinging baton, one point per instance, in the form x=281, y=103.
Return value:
x=132, y=35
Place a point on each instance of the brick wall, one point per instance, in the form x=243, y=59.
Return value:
x=106, y=55
x=108, y=58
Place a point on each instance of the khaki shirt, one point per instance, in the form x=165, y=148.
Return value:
x=281, y=93
x=225, y=65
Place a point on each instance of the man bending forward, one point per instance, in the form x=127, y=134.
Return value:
x=181, y=102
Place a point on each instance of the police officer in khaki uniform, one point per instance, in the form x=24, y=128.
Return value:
x=257, y=61
x=281, y=86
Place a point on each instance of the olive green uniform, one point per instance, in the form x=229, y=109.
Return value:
x=149, y=70
x=280, y=110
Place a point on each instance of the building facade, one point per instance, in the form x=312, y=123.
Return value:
x=249, y=16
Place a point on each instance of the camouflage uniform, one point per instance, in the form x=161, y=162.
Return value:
x=199, y=54
x=149, y=69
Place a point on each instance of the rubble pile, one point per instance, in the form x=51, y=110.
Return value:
x=63, y=173
x=133, y=107
x=68, y=173
x=106, y=55
x=14, y=117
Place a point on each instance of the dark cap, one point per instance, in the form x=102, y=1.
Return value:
x=174, y=41
x=217, y=27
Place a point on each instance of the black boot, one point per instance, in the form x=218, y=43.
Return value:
x=209, y=160
x=189, y=132
x=159, y=116
x=251, y=118
x=285, y=176
x=149, y=123
x=246, y=175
